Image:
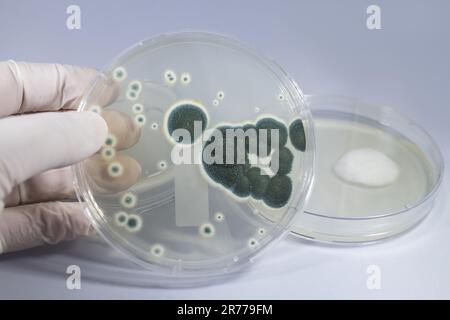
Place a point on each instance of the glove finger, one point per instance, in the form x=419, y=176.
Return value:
x=52, y=185
x=28, y=226
x=45, y=141
x=57, y=184
x=32, y=87
x=103, y=179
x=122, y=128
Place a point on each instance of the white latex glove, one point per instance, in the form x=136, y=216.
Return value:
x=39, y=132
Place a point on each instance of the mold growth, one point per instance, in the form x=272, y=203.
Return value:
x=366, y=167
x=132, y=95
x=110, y=140
x=135, y=86
x=272, y=124
x=297, y=135
x=278, y=191
x=134, y=223
x=120, y=218
x=220, y=95
x=206, y=230
x=229, y=161
x=219, y=217
x=138, y=108
x=108, y=153
x=185, y=78
x=258, y=182
x=128, y=200
x=170, y=77
x=115, y=169
x=140, y=120
x=186, y=115
x=157, y=250
x=285, y=159
x=119, y=73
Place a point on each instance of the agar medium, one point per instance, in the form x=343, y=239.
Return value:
x=207, y=182
x=376, y=173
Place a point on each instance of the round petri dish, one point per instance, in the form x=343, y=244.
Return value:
x=376, y=173
x=159, y=199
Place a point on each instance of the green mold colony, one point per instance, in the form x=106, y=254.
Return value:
x=241, y=177
x=297, y=135
x=184, y=116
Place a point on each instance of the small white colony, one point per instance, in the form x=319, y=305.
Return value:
x=162, y=165
x=185, y=78
x=138, y=108
x=110, y=140
x=115, y=169
x=206, y=230
x=252, y=243
x=128, y=200
x=170, y=77
x=108, y=153
x=220, y=95
x=367, y=167
x=157, y=250
x=261, y=231
x=119, y=73
x=121, y=218
x=135, y=86
x=134, y=223
x=140, y=120
x=132, y=94
x=219, y=216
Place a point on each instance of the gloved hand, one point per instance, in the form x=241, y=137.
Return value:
x=39, y=137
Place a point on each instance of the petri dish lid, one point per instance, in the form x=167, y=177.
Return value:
x=376, y=172
x=150, y=192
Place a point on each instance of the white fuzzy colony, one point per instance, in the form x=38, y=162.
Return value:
x=157, y=250
x=134, y=223
x=138, y=108
x=115, y=169
x=207, y=230
x=170, y=77
x=185, y=78
x=128, y=200
x=219, y=217
x=366, y=167
x=119, y=73
x=140, y=120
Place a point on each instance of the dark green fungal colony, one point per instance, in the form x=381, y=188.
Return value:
x=270, y=124
x=132, y=222
x=297, y=135
x=184, y=117
x=285, y=160
x=243, y=179
x=278, y=191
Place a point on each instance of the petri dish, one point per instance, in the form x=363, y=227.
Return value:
x=376, y=173
x=185, y=218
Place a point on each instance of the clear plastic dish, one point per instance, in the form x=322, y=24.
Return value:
x=196, y=221
x=400, y=170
